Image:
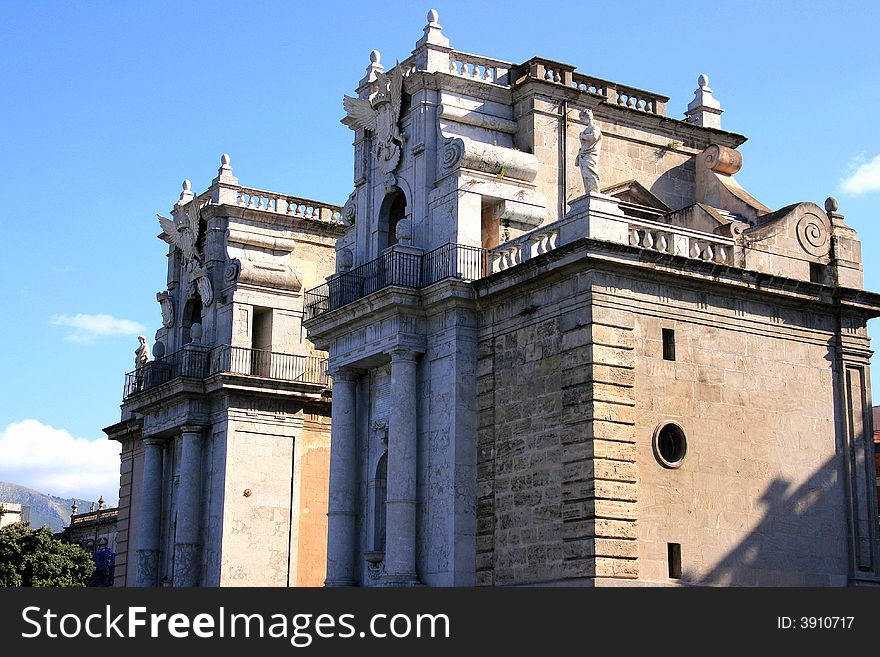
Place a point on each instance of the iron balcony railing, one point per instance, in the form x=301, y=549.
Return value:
x=397, y=268
x=226, y=359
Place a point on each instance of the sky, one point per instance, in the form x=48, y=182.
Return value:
x=108, y=106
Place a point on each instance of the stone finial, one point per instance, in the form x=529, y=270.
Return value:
x=831, y=205
x=374, y=69
x=224, y=173
x=159, y=349
x=74, y=508
x=195, y=333
x=432, y=50
x=101, y=503
x=91, y=507
x=704, y=110
x=186, y=195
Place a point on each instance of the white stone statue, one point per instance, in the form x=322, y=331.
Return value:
x=183, y=234
x=380, y=116
x=142, y=353
x=588, y=154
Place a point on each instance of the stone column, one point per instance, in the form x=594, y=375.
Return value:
x=400, y=518
x=343, y=481
x=187, y=541
x=150, y=513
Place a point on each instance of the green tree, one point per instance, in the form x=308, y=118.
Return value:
x=36, y=558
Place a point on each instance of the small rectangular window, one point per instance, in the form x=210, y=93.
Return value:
x=817, y=273
x=674, y=560
x=668, y=344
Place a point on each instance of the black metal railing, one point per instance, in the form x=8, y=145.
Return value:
x=225, y=359
x=268, y=365
x=184, y=363
x=396, y=268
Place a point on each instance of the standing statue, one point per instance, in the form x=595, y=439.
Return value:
x=588, y=154
x=142, y=353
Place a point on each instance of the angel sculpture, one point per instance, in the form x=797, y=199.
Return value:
x=380, y=116
x=183, y=233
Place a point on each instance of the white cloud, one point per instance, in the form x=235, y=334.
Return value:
x=87, y=327
x=864, y=176
x=50, y=460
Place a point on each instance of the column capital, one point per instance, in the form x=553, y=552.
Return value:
x=344, y=374
x=154, y=442
x=192, y=428
x=403, y=354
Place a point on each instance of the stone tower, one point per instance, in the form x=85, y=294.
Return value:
x=660, y=381
x=225, y=431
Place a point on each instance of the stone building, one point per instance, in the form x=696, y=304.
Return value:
x=567, y=347
x=12, y=512
x=225, y=430
x=93, y=529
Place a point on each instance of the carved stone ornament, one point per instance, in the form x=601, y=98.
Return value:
x=203, y=286
x=813, y=235
x=380, y=115
x=166, y=302
x=349, y=210
x=183, y=233
x=233, y=269
x=453, y=152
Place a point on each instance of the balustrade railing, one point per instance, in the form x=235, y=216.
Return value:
x=476, y=67
x=226, y=359
x=681, y=241
x=291, y=206
x=396, y=268
x=524, y=247
x=614, y=93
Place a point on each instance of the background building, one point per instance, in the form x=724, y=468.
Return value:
x=225, y=431
x=555, y=363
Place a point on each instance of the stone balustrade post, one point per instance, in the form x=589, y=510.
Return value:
x=150, y=514
x=400, y=536
x=343, y=481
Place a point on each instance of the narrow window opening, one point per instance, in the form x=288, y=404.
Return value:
x=817, y=273
x=261, y=342
x=673, y=555
x=668, y=344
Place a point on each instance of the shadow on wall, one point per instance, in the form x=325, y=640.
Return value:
x=779, y=551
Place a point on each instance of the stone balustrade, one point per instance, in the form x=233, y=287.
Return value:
x=524, y=247
x=476, y=67
x=614, y=94
x=287, y=205
x=679, y=241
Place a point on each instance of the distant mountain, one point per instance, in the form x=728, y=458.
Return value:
x=48, y=510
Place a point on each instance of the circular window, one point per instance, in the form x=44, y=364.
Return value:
x=670, y=444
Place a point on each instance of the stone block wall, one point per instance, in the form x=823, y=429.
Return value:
x=312, y=468
x=572, y=385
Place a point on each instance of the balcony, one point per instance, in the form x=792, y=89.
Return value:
x=410, y=270
x=225, y=359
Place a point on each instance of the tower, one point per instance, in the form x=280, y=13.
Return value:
x=225, y=431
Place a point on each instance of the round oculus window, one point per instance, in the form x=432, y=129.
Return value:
x=670, y=444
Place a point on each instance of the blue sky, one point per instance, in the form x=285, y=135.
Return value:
x=108, y=106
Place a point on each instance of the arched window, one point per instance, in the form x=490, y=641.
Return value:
x=379, y=494
x=392, y=211
x=192, y=314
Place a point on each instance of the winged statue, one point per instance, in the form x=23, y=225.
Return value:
x=183, y=233
x=380, y=115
